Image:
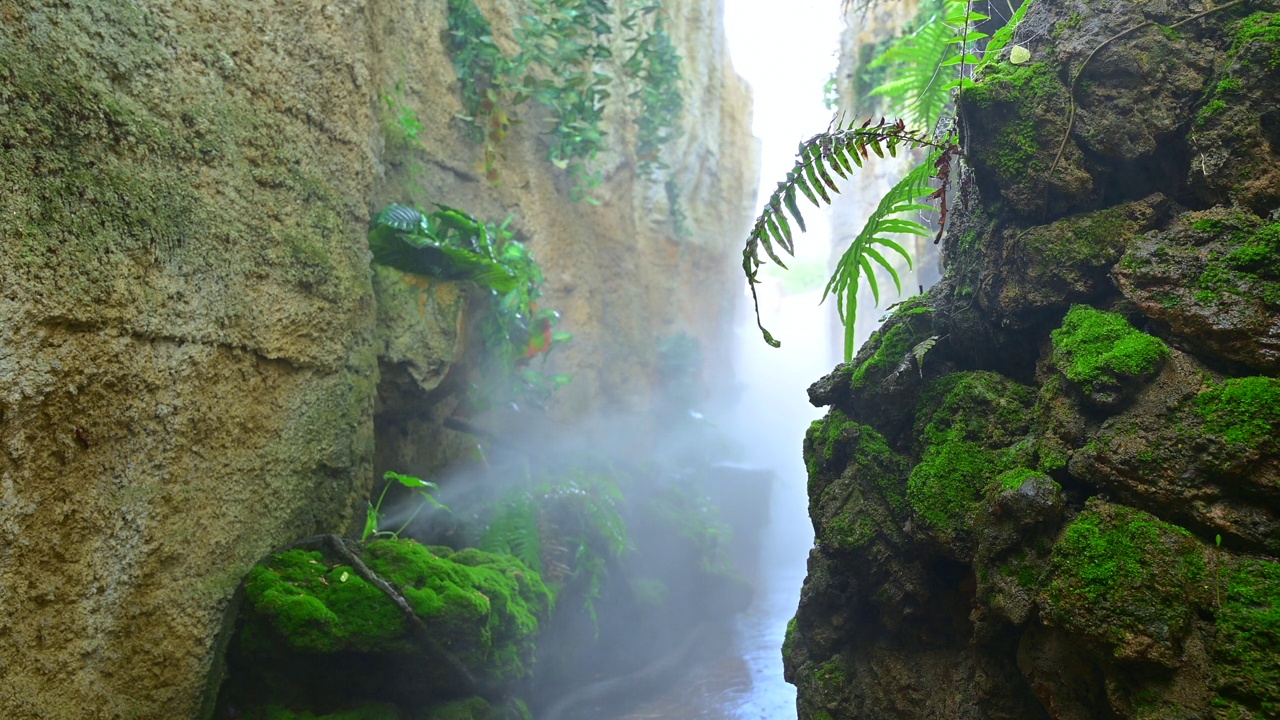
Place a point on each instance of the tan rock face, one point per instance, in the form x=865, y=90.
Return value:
x=189, y=353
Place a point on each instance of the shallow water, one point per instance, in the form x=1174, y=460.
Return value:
x=745, y=682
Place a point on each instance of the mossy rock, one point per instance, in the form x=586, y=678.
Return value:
x=1047, y=268
x=1236, y=135
x=1245, y=655
x=482, y=607
x=1104, y=356
x=1127, y=580
x=972, y=427
x=857, y=484
x=1214, y=280
x=1013, y=115
x=1195, y=450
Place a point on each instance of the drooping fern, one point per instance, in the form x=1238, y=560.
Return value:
x=918, y=68
x=855, y=263
x=837, y=151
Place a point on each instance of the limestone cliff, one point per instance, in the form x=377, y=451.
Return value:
x=192, y=341
x=1063, y=504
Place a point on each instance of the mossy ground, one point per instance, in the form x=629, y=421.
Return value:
x=1125, y=578
x=1094, y=348
x=1247, y=647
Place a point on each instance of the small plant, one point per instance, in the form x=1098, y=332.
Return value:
x=454, y=245
x=402, y=124
x=916, y=69
x=566, y=65
x=373, y=515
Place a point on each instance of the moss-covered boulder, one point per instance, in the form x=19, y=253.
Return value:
x=1212, y=278
x=1104, y=356
x=1044, y=269
x=1128, y=581
x=391, y=622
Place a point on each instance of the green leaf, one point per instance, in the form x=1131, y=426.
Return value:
x=790, y=199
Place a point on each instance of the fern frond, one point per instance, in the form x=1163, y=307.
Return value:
x=903, y=198
x=515, y=531
x=919, y=78
x=839, y=151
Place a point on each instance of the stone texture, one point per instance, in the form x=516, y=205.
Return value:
x=189, y=335
x=1018, y=525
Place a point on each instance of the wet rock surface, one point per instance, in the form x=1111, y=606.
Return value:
x=1062, y=508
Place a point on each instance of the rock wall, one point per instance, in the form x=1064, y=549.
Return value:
x=192, y=342
x=1066, y=507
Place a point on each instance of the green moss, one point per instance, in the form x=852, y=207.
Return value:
x=972, y=426
x=1014, y=479
x=1209, y=225
x=979, y=406
x=1250, y=271
x=1259, y=31
x=321, y=608
x=1169, y=33
x=1247, y=670
x=949, y=481
x=1244, y=411
x=894, y=345
x=484, y=606
x=789, y=640
x=831, y=676
x=1124, y=577
x=1214, y=108
x=876, y=501
x=1095, y=348
x=1227, y=86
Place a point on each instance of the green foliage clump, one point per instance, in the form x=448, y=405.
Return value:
x=1126, y=578
x=564, y=64
x=316, y=607
x=1247, y=671
x=1095, y=348
x=895, y=343
x=451, y=244
x=567, y=526
x=1244, y=411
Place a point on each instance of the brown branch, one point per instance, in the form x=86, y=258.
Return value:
x=461, y=677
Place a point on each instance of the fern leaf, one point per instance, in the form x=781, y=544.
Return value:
x=811, y=177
